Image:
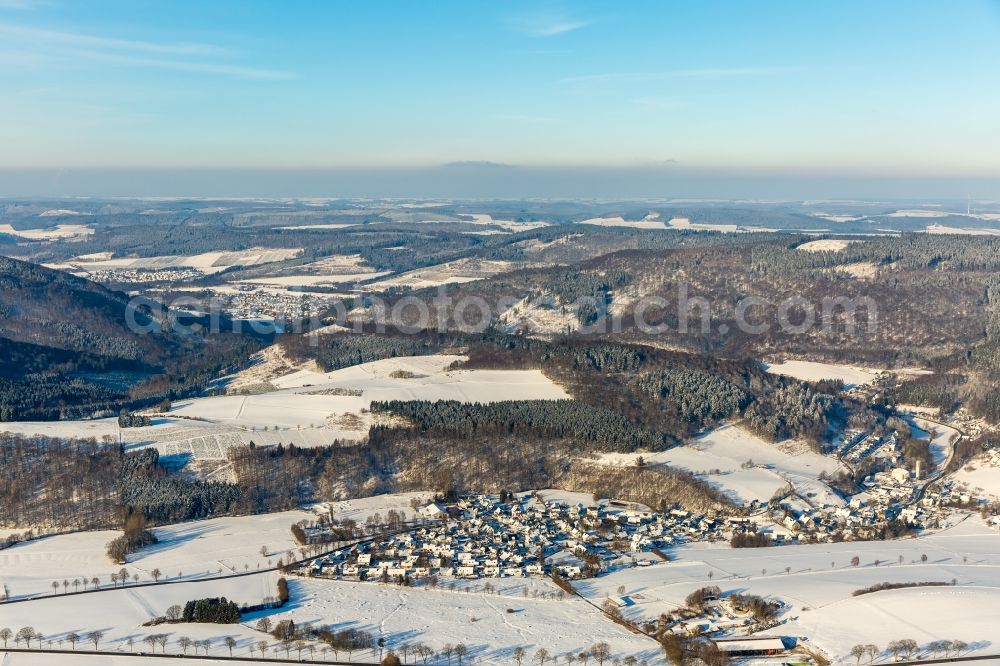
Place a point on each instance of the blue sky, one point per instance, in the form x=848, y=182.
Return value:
x=839, y=89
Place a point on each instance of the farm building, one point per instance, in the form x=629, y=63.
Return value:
x=751, y=646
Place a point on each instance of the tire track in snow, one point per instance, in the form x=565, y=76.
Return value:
x=402, y=602
x=520, y=631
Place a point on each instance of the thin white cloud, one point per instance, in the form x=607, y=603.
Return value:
x=704, y=73
x=544, y=52
x=22, y=4
x=546, y=24
x=181, y=65
x=180, y=56
x=90, y=41
x=558, y=28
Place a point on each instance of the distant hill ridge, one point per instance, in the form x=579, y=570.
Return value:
x=66, y=348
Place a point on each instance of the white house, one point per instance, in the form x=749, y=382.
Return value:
x=433, y=511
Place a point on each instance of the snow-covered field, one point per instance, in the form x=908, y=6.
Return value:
x=816, y=581
x=395, y=614
x=685, y=223
x=942, y=437
x=825, y=245
x=185, y=551
x=509, y=225
x=922, y=614
x=208, y=262
x=538, y=316
x=863, y=270
x=961, y=231
x=838, y=218
x=335, y=269
x=812, y=371
x=982, y=476
x=748, y=468
x=305, y=409
x=722, y=458
x=312, y=280
x=61, y=212
x=119, y=614
x=619, y=221
x=309, y=227
x=653, y=222
x=359, y=510
x=459, y=271
x=298, y=403
x=820, y=581
x=944, y=213
x=97, y=428
x=490, y=625
x=920, y=213
x=59, y=232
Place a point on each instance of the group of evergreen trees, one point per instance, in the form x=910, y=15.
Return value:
x=588, y=292
x=217, y=610
x=916, y=251
x=966, y=377
x=695, y=395
x=128, y=419
x=340, y=351
x=601, y=429
x=792, y=410
x=143, y=485
x=673, y=393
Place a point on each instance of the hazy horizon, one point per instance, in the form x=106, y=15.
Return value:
x=554, y=99
x=487, y=182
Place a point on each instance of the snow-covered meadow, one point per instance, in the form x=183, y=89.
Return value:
x=454, y=272
x=490, y=624
x=815, y=581
x=746, y=467
x=818, y=581
x=304, y=398
x=58, y=232
x=825, y=245
x=812, y=371
x=120, y=613
x=185, y=551
x=645, y=223
x=207, y=262
x=307, y=408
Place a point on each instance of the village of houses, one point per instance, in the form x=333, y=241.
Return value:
x=528, y=535
x=484, y=537
x=567, y=537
